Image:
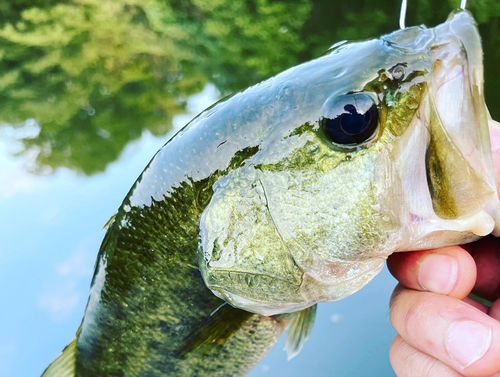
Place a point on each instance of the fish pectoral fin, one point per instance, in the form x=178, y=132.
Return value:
x=299, y=330
x=213, y=333
x=64, y=365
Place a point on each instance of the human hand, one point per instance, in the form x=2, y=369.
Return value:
x=442, y=332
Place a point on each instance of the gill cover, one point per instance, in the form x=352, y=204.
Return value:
x=312, y=216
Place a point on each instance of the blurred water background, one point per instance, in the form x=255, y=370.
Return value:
x=90, y=89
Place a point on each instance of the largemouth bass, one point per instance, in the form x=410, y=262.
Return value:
x=287, y=194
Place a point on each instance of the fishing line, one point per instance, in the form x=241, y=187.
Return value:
x=402, y=15
x=404, y=6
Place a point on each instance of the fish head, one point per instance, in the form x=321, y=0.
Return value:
x=381, y=146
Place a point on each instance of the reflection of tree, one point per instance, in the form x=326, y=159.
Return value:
x=96, y=73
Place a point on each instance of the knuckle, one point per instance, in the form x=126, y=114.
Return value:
x=400, y=356
x=408, y=308
x=409, y=362
x=396, y=297
x=415, y=312
x=429, y=369
x=438, y=369
x=395, y=348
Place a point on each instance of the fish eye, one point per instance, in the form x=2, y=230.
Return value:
x=350, y=120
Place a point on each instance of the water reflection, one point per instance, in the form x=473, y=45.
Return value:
x=97, y=86
x=50, y=231
x=94, y=74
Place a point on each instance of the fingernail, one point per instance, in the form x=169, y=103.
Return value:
x=438, y=273
x=467, y=341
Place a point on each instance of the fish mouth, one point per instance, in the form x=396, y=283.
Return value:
x=457, y=91
x=458, y=192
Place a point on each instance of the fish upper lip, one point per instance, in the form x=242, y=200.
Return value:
x=417, y=39
x=461, y=25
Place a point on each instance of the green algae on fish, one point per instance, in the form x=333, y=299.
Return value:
x=287, y=194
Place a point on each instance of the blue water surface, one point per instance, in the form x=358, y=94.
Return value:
x=51, y=229
x=82, y=82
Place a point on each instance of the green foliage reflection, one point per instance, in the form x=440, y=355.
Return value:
x=95, y=73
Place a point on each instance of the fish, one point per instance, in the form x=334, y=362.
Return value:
x=290, y=193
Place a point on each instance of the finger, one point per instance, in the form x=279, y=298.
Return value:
x=495, y=310
x=450, y=270
x=477, y=305
x=410, y=362
x=486, y=254
x=449, y=330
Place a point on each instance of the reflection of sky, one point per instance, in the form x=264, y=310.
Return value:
x=50, y=232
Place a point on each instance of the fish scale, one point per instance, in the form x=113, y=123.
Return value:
x=257, y=210
x=154, y=294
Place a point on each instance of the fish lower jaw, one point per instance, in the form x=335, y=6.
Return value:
x=481, y=224
x=436, y=232
x=493, y=209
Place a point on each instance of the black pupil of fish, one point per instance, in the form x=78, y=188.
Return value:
x=351, y=127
